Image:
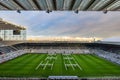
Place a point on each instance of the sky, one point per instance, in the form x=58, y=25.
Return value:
x=67, y=24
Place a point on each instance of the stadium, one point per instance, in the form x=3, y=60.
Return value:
x=22, y=59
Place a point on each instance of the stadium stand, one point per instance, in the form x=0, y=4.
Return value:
x=106, y=51
x=8, y=53
x=113, y=57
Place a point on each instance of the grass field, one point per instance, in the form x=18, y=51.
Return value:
x=44, y=65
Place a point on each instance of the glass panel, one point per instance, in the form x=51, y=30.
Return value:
x=8, y=35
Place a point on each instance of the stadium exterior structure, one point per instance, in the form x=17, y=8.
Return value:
x=10, y=31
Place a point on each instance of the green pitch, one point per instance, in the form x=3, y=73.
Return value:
x=44, y=65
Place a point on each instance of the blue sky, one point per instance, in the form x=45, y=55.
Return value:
x=83, y=24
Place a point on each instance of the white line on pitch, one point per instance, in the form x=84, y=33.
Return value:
x=70, y=63
x=38, y=65
x=77, y=64
x=45, y=65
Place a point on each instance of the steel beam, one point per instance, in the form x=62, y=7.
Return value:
x=20, y=5
x=50, y=4
x=59, y=4
x=84, y=4
x=8, y=4
x=115, y=5
x=67, y=4
x=101, y=4
x=93, y=5
x=25, y=4
x=34, y=6
x=42, y=4
x=3, y=8
x=76, y=5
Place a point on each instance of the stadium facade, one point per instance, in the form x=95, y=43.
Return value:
x=9, y=31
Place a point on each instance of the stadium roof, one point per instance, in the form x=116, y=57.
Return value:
x=4, y=25
x=61, y=5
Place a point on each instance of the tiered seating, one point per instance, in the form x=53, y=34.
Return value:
x=113, y=57
x=50, y=50
x=11, y=55
x=10, y=52
x=7, y=49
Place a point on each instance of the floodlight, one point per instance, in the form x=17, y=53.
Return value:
x=105, y=11
x=48, y=11
x=18, y=11
x=76, y=11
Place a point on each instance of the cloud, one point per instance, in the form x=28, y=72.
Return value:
x=84, y=24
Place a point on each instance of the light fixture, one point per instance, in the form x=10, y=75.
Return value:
x=18, y=11
x=105, y=11
x=48, y=11
x=76, y=11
